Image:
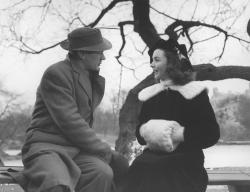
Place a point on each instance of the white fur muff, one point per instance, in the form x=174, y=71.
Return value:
x=162, y=135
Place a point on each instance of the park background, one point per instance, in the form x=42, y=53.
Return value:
x=31, y=30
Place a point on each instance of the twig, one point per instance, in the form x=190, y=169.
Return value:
x=104, y=11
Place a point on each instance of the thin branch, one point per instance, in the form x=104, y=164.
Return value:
x=59, y=14
x=104, y=11
x=126, y=67
x=195, y=30
x=186, y=25
x=33, y=51
x=25, y=48
x=217, y=12
x=121, y=25
x=181, y=7
x=207, y=39
x=223, y=48
x=46, y=6
x=164, y=14
x=196, y=5
x=77, y=18
x=134, y=45
x=14, y=5
x=109, y=27
x=240, y=13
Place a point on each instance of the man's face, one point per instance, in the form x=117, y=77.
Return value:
x=92, y=60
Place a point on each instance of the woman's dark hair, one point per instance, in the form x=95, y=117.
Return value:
x=179, y=70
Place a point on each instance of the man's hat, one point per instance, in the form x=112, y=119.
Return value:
x=85, y=39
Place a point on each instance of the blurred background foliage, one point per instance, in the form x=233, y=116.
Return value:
x=232, y=112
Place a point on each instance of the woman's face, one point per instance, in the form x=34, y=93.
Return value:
x=159, y=64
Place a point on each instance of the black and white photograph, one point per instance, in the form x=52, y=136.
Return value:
x=124, y=95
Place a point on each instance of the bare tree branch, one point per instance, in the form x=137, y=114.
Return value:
x=206, y=39
x=164, y=14
x=181, y=8
x=46, y=7
x=77, y=19
x=32, y=51
x=196, y=5
x=104, y=11
x=183, y=27
x=14, y=5
x=171, y=30
x=223, y=48
x=121, y=25
x=25, y=48
x=135, y=47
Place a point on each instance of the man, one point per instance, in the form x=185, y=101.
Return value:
x=61, y=151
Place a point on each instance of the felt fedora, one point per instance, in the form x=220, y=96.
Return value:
x=86, y=39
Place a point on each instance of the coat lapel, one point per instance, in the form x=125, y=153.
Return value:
x=94, y=90
x=83, y=79
x=98, y=87
x=85, y=83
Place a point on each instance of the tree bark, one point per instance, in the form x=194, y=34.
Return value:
x=143, y=25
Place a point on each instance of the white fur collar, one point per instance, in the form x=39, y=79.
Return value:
x=188, y=91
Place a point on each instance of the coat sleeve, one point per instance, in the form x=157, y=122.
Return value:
x=56, y=90
x=202, y=129
x=143, y=118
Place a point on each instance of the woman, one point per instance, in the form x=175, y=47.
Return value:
x=176, y=122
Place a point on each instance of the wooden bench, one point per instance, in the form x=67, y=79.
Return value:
x=237, y=181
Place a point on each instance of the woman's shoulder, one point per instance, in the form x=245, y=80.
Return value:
x=188, y=91
x=191, y=90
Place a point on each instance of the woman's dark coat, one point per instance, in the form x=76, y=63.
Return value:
x=181, y=170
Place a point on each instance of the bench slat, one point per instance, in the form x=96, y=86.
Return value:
x=5, y=179
x=226, y=177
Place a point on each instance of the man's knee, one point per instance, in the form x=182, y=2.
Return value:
x=94, y=167
x=58, y=188
x=104, y=170
x=96, y=175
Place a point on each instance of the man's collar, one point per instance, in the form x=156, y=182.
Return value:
x=77, y=65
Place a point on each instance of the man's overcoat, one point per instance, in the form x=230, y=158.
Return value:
x=61, y=127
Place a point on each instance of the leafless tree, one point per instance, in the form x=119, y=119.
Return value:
x=8, y=103
x=130, y=17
